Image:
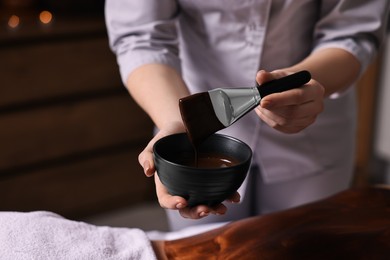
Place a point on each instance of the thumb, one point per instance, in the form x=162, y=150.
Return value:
x=145, y=158
x=263, y=76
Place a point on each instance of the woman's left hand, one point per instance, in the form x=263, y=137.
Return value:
x=293, y=110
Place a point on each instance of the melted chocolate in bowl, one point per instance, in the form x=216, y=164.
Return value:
x=207, y=160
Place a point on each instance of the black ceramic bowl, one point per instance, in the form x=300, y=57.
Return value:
x=174, y=159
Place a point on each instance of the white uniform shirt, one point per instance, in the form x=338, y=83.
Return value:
x=223, y=43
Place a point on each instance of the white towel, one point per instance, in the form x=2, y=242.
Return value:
x=45, y=235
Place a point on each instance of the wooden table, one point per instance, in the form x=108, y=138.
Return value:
x=354, y=224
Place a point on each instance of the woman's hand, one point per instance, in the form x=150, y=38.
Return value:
x=293, y=110
x=167, y=200
x=145, y=158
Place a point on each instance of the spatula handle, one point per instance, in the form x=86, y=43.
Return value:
x=291, y=81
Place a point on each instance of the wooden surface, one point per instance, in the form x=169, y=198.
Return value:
x=354, y=224
x=70, y=133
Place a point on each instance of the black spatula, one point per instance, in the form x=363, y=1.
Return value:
x=208, y=112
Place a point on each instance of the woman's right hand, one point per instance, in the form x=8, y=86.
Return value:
x=167, y=200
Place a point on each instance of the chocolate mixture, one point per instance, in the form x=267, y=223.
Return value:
x=208, y=160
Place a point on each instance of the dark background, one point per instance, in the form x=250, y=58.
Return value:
x=70, y=134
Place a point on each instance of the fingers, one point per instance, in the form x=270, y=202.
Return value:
x=167, y=200
x=145, y=159
x=202, y=211
x=293, y=110
x=310, y=92
x=262, y=76
x=293, y=114
x=235, y=198
x=291, y=118
x=285, y=124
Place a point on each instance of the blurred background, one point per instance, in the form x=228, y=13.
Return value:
x=70, y=134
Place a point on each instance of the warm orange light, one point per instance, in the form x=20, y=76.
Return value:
x=45, y=17
x=13, y=21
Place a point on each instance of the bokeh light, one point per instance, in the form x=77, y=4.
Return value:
x=45, y=17
x=13, y=21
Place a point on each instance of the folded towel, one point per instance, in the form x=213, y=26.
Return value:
x=46, y=235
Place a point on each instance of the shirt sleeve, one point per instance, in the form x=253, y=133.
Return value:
x=142, y=32
x=357, y=26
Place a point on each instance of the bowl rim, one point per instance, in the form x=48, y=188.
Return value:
x=208, y=170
